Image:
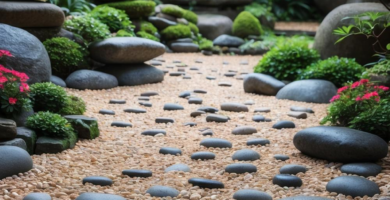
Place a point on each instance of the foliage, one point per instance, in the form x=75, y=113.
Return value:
x=381, y=68
x=259, y=10
x=74, y=7
x=148, y=27
x=262, y=46
x=246, y=24
x=65, y=56
x=362, y=106
x=173, y=10
x=206, y=44
x=285, y=61
x=176, y=32
x=115, y=19
x=48, y=97
x=50, y=125
x=336, y=70
x=190, y=16
x=87, y=27
x=146, y=35
x=124, y=33
x=194, y=28
x=135, y=9
x=73, y=106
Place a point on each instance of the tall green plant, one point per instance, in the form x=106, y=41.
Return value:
x=74, y=7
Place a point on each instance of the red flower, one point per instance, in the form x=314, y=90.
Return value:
x=384, y=88
x=3, y=79
x=335, y=98
x=358, y=98
x=369, y=95
x=5, y=70
x=364, y=81
x=5, y=53
x=12, y=101
x=24, y=87
x=354, y=85
x=342, y=89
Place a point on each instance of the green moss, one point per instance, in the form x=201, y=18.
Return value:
x=173, y=10
x=135, y=9
x=124, y=33
x=190, y=16
x=87, y=27
x=193, y=28
x=205, y=44
x=115, y=19
x=73, y=106
x=148, y=27
x=176, y=32
x=246, y=24
x=146, y=35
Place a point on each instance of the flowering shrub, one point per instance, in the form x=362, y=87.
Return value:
x=361, y=105
x=14, y=91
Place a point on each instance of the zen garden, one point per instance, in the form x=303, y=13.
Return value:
x=194, y=99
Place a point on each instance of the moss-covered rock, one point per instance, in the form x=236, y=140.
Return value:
x=146, y=35
x=85, y=127
x=205, y=44
x=124, y=33
x=176, y=32
x=51, y=145
x=147, y=27
x=173, y=10
x=29, y=136
x=135, y=9
x=190, y=16
x=246, y=24
x=193, y=28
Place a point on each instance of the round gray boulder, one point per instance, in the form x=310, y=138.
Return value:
x=228, y=41
x=262, y=84
x=353, y=186
x=212, y=26
x=14, y=160
x=92, y=80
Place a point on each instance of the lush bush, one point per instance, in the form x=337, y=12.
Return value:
x=176, y=32
x=336, y=70
x=74, y=7
x=362, y=106
x=48, y=97
x=246, y=24
x=146, y=35
x=287, y=59
x=194, y=28
x=135, y=9
x=115, y=19
x=190, y=16
x=73, y=106
x=87, y=27
x=173, y=10
x=148, y=27
x=380, y=68
x=206, y=44
x=50, y=125
x=124, y=33
x=65, y=56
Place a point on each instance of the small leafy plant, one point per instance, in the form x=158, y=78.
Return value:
x=115, y=19
x=50, y=125
x=48, y=97
x=74, y=7
x=73, y=106
x=87, y=27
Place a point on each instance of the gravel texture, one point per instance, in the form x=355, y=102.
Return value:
x=118, y=149
x=297, y=26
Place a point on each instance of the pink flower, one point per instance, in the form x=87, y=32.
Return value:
x=4, y=70
x=384, y=88
x=12, y=101
x=3, y=79
x=369, y=95
x=24, y=87
x=335, y=98
x=5, y=53
x=358, y=99
x=377, y=99
x=354, y=85
x=364, y=81
x=340, y=90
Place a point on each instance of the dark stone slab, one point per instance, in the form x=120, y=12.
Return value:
x=85, y=127
x=29, y=136
x=134, y=110
x=216, y=143
x=258, y=118
x=244, y=130
x=197, y=113
x=14, y=160
x=92, y=80
x=117, y=101
x=249, y=194
x=164, y=120
x=121, y=124
x=292, y=169
x=170, y=150
x=240, y=168
x=208, y=132
x=17, y=142
x=301, y=109
x=234, y=107
x=258, y=141
x=286, y=180
x=107, y=112
x=98, y=180
x=7, y=129
x=206, y=183
x=185, y=94
x=144, y=103
x=162, y=191
x=283, y=124
x=217, y=118
x=51, y=145
x=57, y=81
x=153, y=132
x=246, y=155
x=262, y=84
x=149, y=94
x=281, y=157
x=208, y=109
x=173, y=106
x=298, y=115
x=137, y=173
x=203, y=155
x=190, y=124
x=195, y=100
x=361, y=169
x=353, y=185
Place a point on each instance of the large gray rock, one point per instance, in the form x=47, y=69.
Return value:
x=353, y=185
x=228, y=41
x=85, y=127
x=29, y=136
x=212, y=26
x=31, y=14
x=14, y=160
x=125, y=50
x=184, y=47
x=17, y=142
x=98, y=196
x=58, y=81
x=325, y=39
x=131, y=75
x=51, y=145
x=339, y=144
x=7, y=129
x=311, y=91
x=37, y=196
x=92, y=80
x=29, y=54
x=161, y=23
x=262, y=84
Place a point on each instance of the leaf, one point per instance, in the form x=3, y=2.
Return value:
x=388, y=47
x=341, y=39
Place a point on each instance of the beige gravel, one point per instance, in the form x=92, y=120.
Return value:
x=117, y=149
x=297, y=26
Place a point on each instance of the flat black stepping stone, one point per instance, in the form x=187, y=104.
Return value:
x=178, y=167
x=234, y=107
x=265, y=110
x=353, y=185
x=248, y=194
x=258, y=118
x=170, y=150
x=281, y=157
x=145, y=103
x=197, y=113
x=176, y=61
x=107, y=112
x=208, y=109
x=117, y=101
x=173, y=106
x=268, y=120
x=181, y=70
x=217, y=118
x=191, y=124
x=258, y=141
x=211, y=78
x=185, y=94
x=361, y=169
x=230, y=74
x=143, y=98
x=37, y=196
x=149, y=93
x=162, y=191
x=203, y=155
x=292, y=169
x=98, y=180
x=305, y=198
x=198, y=61
x=246, y=155
x=283, y=124
x=186, y=77
x=240, y=168
x=194, y=68
x=208, y=132
x=200, y=91
x=195, y=100
x=153, y=132
x=216, y=143
x=301, y=109
x=137, y=173
x=224, y=84
x=206, y=183
x=244, y=130
x=298, y=115
x=176, y=74
x=164, y=120
x=155, y=63
x=98, y=196
x=286, y=180
x=121, y=124
x=134, y=110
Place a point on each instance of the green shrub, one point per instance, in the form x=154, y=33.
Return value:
x=287, y=59
x=124, y=33
x=48, y=97
x=176, y=32
x=173, y=10
x=146, y=35
x=380, y=68
x=65, y=56
x=246, y=24
x=336, y=70
x=87, y=27
x=206, y=44
x=190, y=16
x=148, y=27
x=115, y=19
x=73, y=106
x=50, y=125
x=194, y=28
x=135, y=9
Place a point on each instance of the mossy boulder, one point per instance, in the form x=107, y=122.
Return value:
x=135, y=9
x=173, y=10
x=51, y=145
x=193, y=28
x=176, y=32
x=190, y=16
x=146, y=35
x=246, y=24
x=85, y=127
x=29, y=136
x=147, y=27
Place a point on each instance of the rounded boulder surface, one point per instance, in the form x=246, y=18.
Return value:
x=203, y=155
x=57, y=81
x=249, y=194
x=217, y=118
x=262, y=84
x=361, y=169
x=173, y=106
x=125, y=50
x=234, y=107
x=228, y=41
x=283, y=124
x=98, y=180
x=286, y=180
x=162, y=191
x=258, y=118
x=310, y=91
x=258, y=141
x=184, y=47
x=99, y=196
x=14, y=160
x=281, y=157
x=178, y=167
x=216, y=143
x=340, y=144
x=353, y=185
x=305, y=198
x=137, y=173
x=29, y=54
x=134, y=110
x=170, y=150
x=37, y=196
x=240, y=168
x=212, y=26
x=206, y=183
x=246, y=155
x=92, y=80
x=292, y=169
